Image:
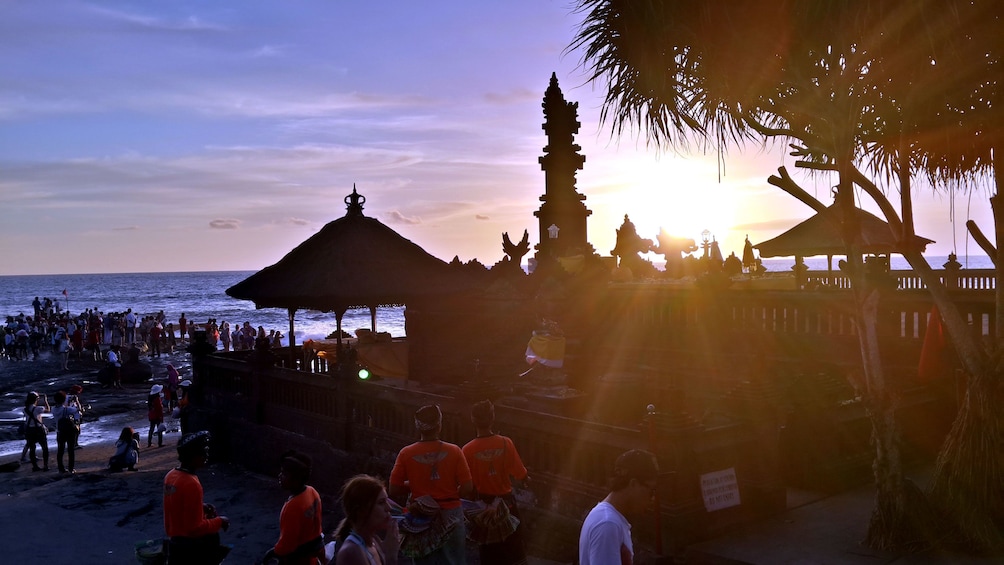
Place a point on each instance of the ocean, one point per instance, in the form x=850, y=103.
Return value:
x=201, y=296
x=897, y=263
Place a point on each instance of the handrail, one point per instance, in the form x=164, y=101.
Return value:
x=906, y=279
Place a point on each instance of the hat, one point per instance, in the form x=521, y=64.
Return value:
x=185, y=382
x=637, y=464
x=428, y=417
x=155, y=389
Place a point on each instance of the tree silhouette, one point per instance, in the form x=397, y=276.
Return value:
x=877, y=93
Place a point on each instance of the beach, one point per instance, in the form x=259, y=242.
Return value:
x=96, y=516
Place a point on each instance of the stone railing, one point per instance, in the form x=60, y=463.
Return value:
x=962, y=279
x=733, y=332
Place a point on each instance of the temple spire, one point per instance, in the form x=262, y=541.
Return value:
x=562, y=206
x=354, y=203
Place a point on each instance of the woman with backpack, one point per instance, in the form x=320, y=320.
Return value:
x=67, y=418
x=34, y=429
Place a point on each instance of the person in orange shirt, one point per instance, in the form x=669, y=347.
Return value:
x=493, y=459
x=301, y=540
x=192, y=526
x=433, y=468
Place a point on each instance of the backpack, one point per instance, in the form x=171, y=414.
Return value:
x=67, y=425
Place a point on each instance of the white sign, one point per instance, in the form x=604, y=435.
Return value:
x=720, y=489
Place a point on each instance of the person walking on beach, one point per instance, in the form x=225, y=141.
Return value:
x=493, y=459
x=130, y=326
x=605, y=538
x=34, y=429
x=301, y=539
x=367, y=513
x=67, y=418
x=183, y=327
x=115, y=366
x=94, y=341
x=436, y=474
x=225, y=335
x=155, y=413
x=62, y=341
x=77, y=342
x=173, y=379
x=155, y=336
x=192, y=526
x=126, y=451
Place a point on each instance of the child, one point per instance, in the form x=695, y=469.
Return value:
x=126, y=451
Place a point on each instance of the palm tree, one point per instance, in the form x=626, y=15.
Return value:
x=897, y=89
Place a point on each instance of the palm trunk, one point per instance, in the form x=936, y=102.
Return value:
x=889, y=524
x=968, y=482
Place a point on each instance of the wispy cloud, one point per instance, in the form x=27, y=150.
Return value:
x=225, y=224
x=395, y=217
x=160, y=23
x=267, y=51
x=481, y=217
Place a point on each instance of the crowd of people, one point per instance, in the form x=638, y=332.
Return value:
x=435, y=488
x=439, y=496
x=23, y=337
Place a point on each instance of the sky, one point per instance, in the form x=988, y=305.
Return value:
x=201, y=136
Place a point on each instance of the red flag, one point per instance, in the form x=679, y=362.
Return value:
x=932, y=354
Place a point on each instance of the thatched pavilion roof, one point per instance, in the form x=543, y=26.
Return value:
x=822, y=235
x=354, y=261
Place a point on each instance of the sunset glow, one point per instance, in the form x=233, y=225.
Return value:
x=139, y=137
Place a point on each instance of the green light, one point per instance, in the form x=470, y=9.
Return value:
x=364, y=374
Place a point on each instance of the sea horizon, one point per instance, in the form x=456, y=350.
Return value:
x=975, y=260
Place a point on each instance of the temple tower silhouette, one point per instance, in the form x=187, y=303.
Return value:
x=562, y=216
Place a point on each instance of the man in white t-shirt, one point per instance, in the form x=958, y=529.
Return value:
x=605, y=538
x=130, y=326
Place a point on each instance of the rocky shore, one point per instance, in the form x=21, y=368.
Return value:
x=96, y=516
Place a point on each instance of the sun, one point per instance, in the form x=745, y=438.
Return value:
x=680, y=196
